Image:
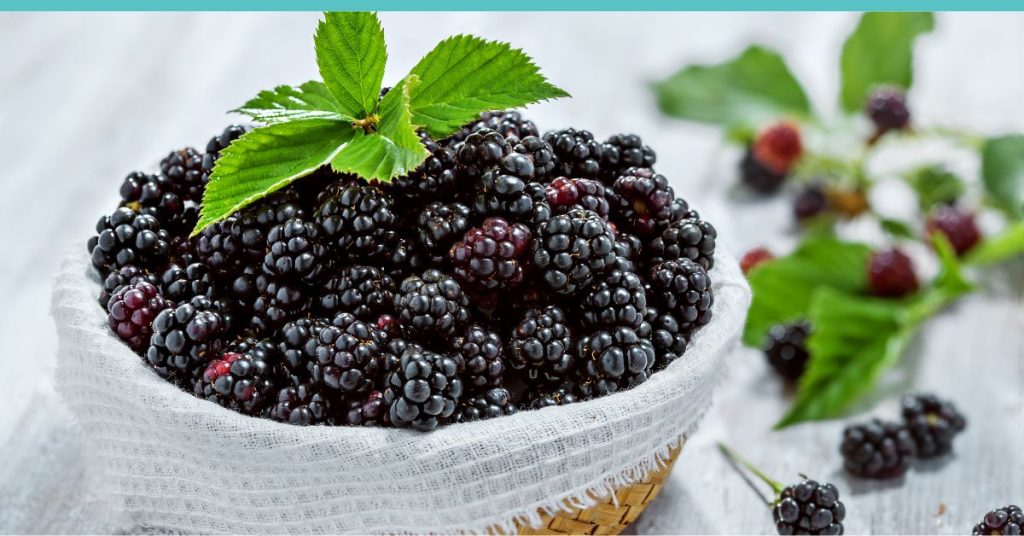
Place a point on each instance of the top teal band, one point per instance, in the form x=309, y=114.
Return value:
x=518, y=5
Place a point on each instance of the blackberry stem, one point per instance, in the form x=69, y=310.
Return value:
x=734, y=457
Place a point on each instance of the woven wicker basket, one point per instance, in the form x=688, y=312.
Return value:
x=612, y=515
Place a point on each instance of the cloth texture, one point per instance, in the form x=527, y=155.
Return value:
x=184, y=464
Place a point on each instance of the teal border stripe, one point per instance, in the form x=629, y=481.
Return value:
x=517, y=5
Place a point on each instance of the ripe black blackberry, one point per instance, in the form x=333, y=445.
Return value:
x=785, y=346
x=423, y=392
x=432, y=305
x=933, y=423
x=571, y=249
x=644, y=201
x=275, y=302
x=126, y=238
x=294, y=252
x=364, y=291
x=558, y=396
x=439, y=225
x=185, y=338
x=577, y=153
x=668, y=336
x=1005, y=520
x=494, y=402
x=369, y=410
x=155, y=195
x=564, y=194
x=541, y=346
x=184, y=169
x=887, y=109
x=614, y=359
x=683, y=288
x=292, y=340
x=540, y=153
x=876, y=449
x=218, y=143
x=125, y=275
x=483, y=363
x=617, y=298
x=501, y=190
x=480, y=151
x=810, y=202
x=303, y=404
x=404, y=257
x=510, y=123
x=347, y=355
x=131, y=310
x=689, y=237
x=491, y=257
x=357, y=222
x=623, y=151
x=242, y=378
x=435, y=178
x=181, y=284
x=759, y=177
x=809, y=508
x=628, y=246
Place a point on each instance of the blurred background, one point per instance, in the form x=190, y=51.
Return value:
x=89, y=97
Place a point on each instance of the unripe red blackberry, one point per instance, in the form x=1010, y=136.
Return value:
x=562, y=194
x=131, y=310
x=754, y=258
x=887, y=108
x=491, y=257
x=125, y=275
x=778, y=147
x=958, y=226
x=644, y=201
x=891, y=274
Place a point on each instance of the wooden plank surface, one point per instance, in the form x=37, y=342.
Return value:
x=87, y=98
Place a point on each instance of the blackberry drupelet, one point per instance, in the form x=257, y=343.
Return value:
x=242, y=379
x=786, y=350
x=494, y=402
x=294, y=252
x=933, y=423
x=126, y=238
x=480, y=151
x=424, y=391
x=483, y=363
x=1005, y=520
x=629, y=247
x=501, y=190
x=185, y=338
x=617, y=298
x=683, y=288
x=614, y=359
x=275, y=303
x=432, y=305
x=754, y=258
x=348, y=355
x=958, y=226
x=876, y=449
x=366, y=411
x=155, y=195
x=887, y=108
x=540, y=153
x=623, y=151
x=644, y=201
x=182, y=284
x=758, y=176
x=689, y=237
x=439, y=225
x=891, y=274
x=577, y=153
x=668, y=336
x=131, y=310
x=365, y=291
x=558, y=396
x=491, y=257
x=571, y=249
x=357, y=222
x=809, y=508
x=564, y=194
x=434, y=179
x=810, y=202
x=218, y=143
x=125, y=275
x=541, y=346
x=303, y=404
x=184, y=169
x=404, y=258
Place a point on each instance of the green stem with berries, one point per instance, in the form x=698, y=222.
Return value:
x=737, y=459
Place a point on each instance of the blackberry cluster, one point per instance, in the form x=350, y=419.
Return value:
x=509, y=271
x=933, y=423
x=887, y=108
x=809, y=508
x=786, y=349
x=877, y=449
x=1005, y=520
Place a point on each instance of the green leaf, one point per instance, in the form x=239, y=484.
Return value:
x=351, y=53
x=999, y=248
x=751, y=89
x=465, y=75
x=1002, y=171
x=311, y=100
x=897, y=228
x=266, y=159
x=394, y=150
x=880, y=51
x=934, y=185
x=783, y=288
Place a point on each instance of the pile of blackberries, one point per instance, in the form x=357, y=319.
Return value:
x=509, y=271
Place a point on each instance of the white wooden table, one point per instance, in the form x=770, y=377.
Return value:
x=86, y=98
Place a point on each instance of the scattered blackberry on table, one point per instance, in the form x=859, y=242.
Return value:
x=683, y=288
x=644, y=201
x=181, y=284
x=242, y=379
x=558, y=396
x=126, y=238
x=754, y=258
x=564, y=194
x=501, y=190
x=370, y=410
x=810, y=202
x=131, y=310
x=156, y=196
x=933, y=423
x=434, y=179
x=615, y=359
x=809, y=508
x=491, y=257
x=303, y=404
x=347, y=355
x=541, y=346
x=785, y=346
x=571, y=249
x=184, y=169
x=432, y=305
x=294, y=252
x=480, y=151
x=365, y=291
x=758, y=176
x=358, y=222
x=220, y=142
x=886, y=106
x=617, y=298
x=689, y=237
x=876, y=449
x=577, y=153
x=125, y=275
x=424, y=391
x=481, y=353
x=623, y=151
x=958, y=226
x=439, y=225
x=540, y=153
x=1005, y=520
x=891, y=274
x=494, y=402
x=668, y=335
x=185, y=339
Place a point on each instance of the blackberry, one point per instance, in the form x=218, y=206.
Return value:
x=668, y=335
x=184, y=169
x=242, y=379
x=491, y=257
x=424, y=391
x=623, y=151
x=494, y=402
x=810, y=202
x=357, y=222
x=303, y=404
x=891, y=274
x=510, y=123
x=275, y=302
x=480, y=351
x=480, y=151
x=540, y=153
x=541, y=346
x=364, y=291
x=876, y=449
x=571, y=249
x=542, y=211
x=577, y=153
x=786, y=349
x=564, y=194
x=778, y=147
x=125, y=275
x=218, y=143
x=502, y=191
x=689, y=237
x=292, y=341
x=617, y=299
x=754, y=258
x=155, y=195
x=558, y=396
x=185, y=338
x=131, y=310
x=432, y=305
x=809, y=508
x=933, y=423
x=126, y=238
x=629, y=247
x=182, y=284
x=366, y=411
x=294, y=252
x=644, y=201
x=1005, y=520
x=347, y=355
x=435, y=178
x=958, y=227
x=404, y=258
x=439, y=225
x=615, y=359
x=683, y=288
x=887, y=109
x=759, y=177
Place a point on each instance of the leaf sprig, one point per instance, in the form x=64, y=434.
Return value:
x=341, y=121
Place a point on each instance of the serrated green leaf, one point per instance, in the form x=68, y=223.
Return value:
x=746, y=91
x=783, y=288
x=934, y=185
x=465, y=75
x=999, y=248
x=897, y=228
x=351, y=53
x=1002, y=171
x=394, y=150
x=266, y=159
x=311, y=100
x=880, y=51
